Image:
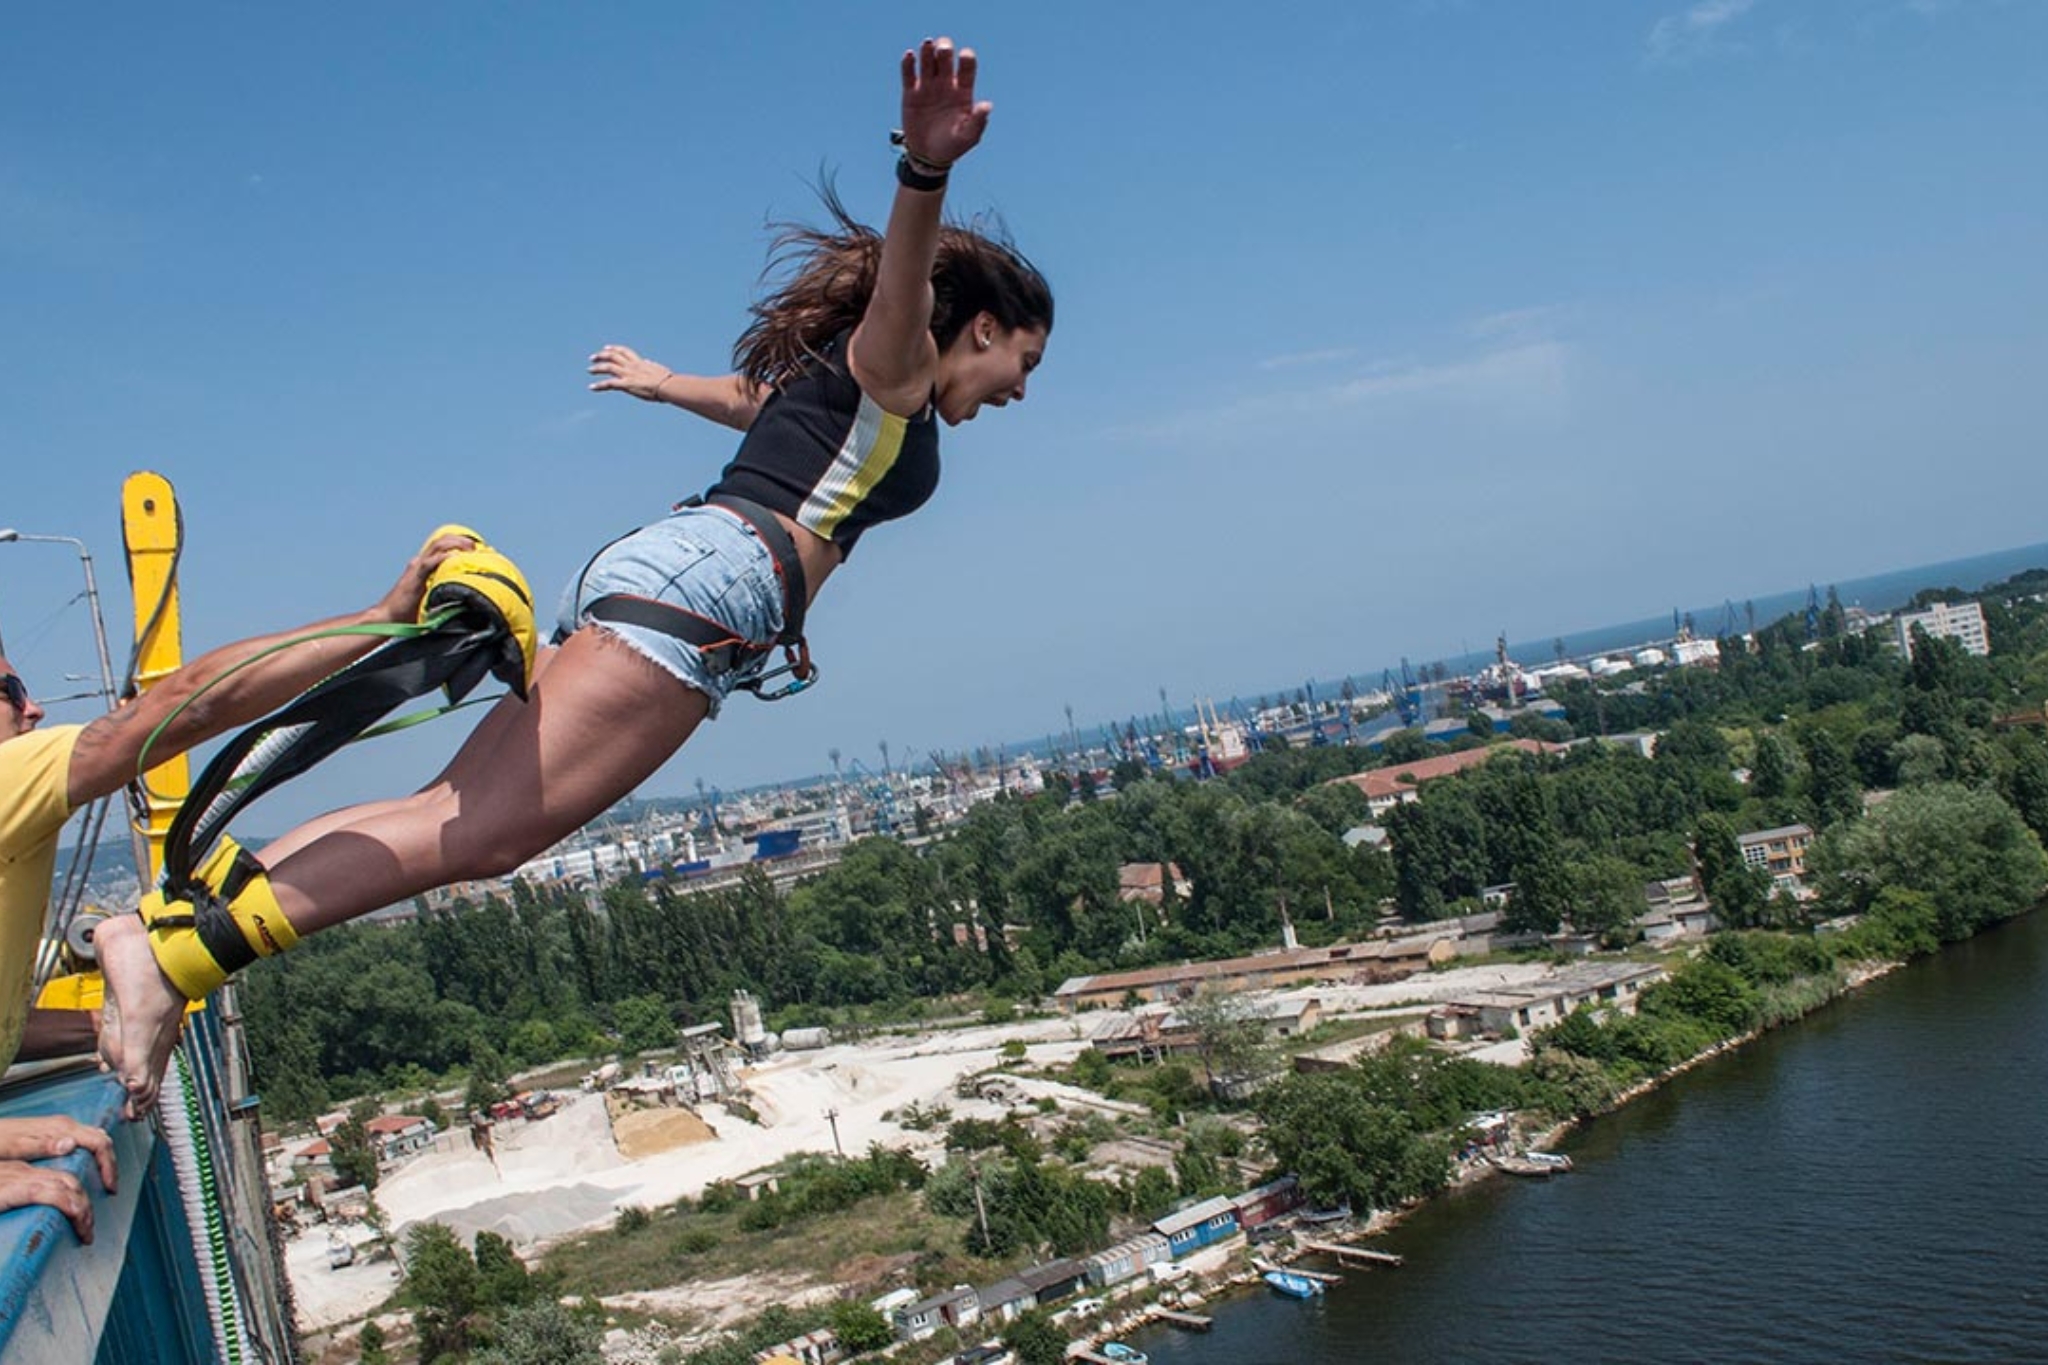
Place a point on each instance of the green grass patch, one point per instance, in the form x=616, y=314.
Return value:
x=673, y=1247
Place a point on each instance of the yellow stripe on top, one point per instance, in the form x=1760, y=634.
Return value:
x=869, y=452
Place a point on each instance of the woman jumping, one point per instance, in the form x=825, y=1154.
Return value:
x=842, y=381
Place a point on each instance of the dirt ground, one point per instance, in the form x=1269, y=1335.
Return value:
x=569, y=1173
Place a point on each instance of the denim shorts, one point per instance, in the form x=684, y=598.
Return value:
x=705, y=560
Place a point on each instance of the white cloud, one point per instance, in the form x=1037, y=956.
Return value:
x=1298, y=358
x=1695, y=32
x=1518, y=324
x=1520, y=379
x=1514, y=376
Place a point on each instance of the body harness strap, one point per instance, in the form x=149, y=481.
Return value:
x=215, y=912
x=720, y=649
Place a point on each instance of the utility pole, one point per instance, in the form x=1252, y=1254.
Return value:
x=980, y=1209
x=832, y=1117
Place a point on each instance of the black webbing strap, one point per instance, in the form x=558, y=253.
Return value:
x=456, y=656
x=789, y=565
x=721, y=649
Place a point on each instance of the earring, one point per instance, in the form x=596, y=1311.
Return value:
x=982, y=341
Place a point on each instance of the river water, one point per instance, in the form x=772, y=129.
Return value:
x=1870, y=1184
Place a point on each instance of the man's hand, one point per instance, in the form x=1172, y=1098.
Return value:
x=402, y=603
x=48, y=1135
x=36, y=1139
x=23, y=1185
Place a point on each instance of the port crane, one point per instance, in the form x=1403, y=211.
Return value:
x=1407, y=693
x=880, y=796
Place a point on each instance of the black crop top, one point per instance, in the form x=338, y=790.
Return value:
x=823, y=453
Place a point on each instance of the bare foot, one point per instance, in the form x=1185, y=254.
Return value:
x=143, y=1011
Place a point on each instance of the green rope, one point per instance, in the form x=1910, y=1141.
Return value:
x=216, y=1230
x=389, y=631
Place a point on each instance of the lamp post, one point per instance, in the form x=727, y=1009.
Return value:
x=108, y=694
x=9, y=535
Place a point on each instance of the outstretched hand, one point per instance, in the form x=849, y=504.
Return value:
x=941, y=120
x=627, y=371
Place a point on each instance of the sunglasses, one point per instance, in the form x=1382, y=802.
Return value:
x=15, y=690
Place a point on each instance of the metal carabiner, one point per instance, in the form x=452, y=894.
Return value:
x=798, y=662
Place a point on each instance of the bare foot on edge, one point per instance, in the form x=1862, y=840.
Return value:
x=143, y=1012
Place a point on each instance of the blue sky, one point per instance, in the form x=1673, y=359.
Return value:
x=1382, y=328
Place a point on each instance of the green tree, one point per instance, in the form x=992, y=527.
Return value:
x=1336, y=806
x=1708, y=990
x=859, y=1327
x=353, y=1154
x=1228, y=1036
x=487, y=1078
x=1090, y=1070
x=1770, y=776
x=288, y=1063
x=1920, y=759
x=1406, y=746
x=441, y=1284
x=1607, y=898
x=1833, y=793
x=1035, y=1341
x=1967, y=851
x=2025, y=785
x=542, y=1333
x=1328, y=1130
x=1153, y=1193
x=370, y=1345
x=1740, y=893
x=644, y=1023
x=534, y=1042
x=502, y=1278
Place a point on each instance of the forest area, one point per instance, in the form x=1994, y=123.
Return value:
x=1025, y=892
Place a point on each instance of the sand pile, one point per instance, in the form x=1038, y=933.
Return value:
x=528, y=1217
x=642, y=1133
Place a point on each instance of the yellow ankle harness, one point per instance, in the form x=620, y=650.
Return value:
x=226, y=919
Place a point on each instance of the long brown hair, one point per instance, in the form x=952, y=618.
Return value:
x=819, y=284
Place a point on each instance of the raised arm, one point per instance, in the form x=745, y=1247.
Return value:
x=729, y=399
x=892, y=353
x=109, y=750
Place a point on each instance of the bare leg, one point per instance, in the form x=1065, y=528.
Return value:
x=595, y=726
x=278, y=849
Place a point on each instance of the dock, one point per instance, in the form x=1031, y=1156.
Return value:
x=1189, y=1322
x=1348, y=1255
x=1322, y=1277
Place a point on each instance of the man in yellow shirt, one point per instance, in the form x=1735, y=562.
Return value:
x=46, y=775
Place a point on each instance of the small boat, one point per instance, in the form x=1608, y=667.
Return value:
x=1131, y=1355
x=1330, y=1215
x=1534, y=1164
x=1292, y=1285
